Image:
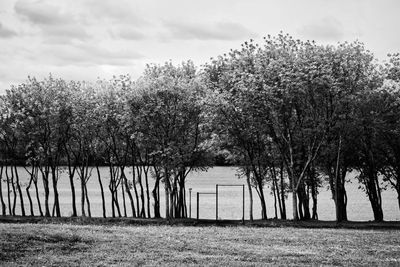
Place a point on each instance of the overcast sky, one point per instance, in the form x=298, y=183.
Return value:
x=86, y=39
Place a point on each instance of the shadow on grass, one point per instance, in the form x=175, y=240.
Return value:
x=20, y=245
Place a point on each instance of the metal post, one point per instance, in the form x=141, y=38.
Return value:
x=243, y=205
x=197, y=205
x=216, y=202
x=190, y=203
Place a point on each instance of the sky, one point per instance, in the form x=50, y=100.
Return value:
x=87, y=39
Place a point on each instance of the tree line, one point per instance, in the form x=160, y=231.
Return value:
x=290, y=114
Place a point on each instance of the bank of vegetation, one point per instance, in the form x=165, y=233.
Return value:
x=289, y=113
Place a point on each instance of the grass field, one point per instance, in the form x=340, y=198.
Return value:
x=101, y=245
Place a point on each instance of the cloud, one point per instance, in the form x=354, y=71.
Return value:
x=122, y=11
x=41, y=13
x=6, y=33
x=89, y=55
x=58, y=24
x=326, y=29
x=128, y=33
x=64, y=33
x=215, y=31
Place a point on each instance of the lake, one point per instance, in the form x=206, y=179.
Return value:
x=230, y=198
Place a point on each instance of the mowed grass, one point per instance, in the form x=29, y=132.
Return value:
x=94, y=245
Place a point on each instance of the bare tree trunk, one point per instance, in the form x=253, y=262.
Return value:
x=294, y=204
x=398, y=194
x=139, y=176
x=35, y=182
x=250, y=194
x=21, y=198
x=146, y=175
x=3, y=204
x=71, y=172
x=54, y=176
x=128, y=191
x=111, y=188
x=156, y=197
x=83, y=192
x=275, y=191
x=117, y=202
x=87, y=201
x=103, y=202
x=283, y=196
x=167, y=189
x=135, y=190
x=8, y=192
x=275, y=202
x=73, y=194
x=123, y=197
x=14, y=191
x=29, y=195
x=262, y=200
x=315, y=202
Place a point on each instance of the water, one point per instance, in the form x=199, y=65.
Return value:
x=229, y=198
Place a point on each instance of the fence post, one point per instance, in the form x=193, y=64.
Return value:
x=190, y=203
x=197, y=205
x=216, y=202
x=243, y=204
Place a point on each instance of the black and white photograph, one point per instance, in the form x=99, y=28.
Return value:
x=199, y=133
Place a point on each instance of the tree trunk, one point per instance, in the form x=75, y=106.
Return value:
x=56, y=198
x=3, y=204
x=167, y=204
x=112, y=201
x=139, y=176
x=313, y=185
x=71, y=182
x=262, y=200
x=147, y=191
x=14, y=192
x=128, y=191
x=21, y=198
x=135, y=190
x=294, y=202
x=111, y=188
x=117, y=202
x=398, y=194
x=35, y=182
x=123, y=197
x=29, y=195
x=103, y=202
x=250, y=195
x=374, y=197
x=83, y=192
x=342, y=196
x=275, y=200
x=156, y=197
x=87, y=201
x=71, y=172
x=8, y=192
x=283, y=196
x=305, y=202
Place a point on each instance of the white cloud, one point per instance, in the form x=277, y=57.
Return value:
x=204, y=31
x=326, y=29
x=42, y=13
x=91, y=38
x=6, y=32
x=128, y=33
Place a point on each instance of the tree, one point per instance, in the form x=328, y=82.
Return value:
x=168, y=102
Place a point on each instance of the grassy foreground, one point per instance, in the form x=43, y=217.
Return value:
x=104, y=245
